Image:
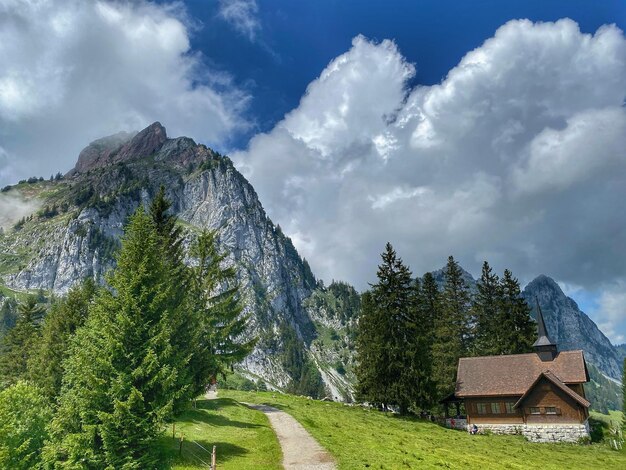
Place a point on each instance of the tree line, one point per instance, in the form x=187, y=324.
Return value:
x=96, y=378
x=412, y=332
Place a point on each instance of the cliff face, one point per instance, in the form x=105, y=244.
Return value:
x=89, y=207
x=571, y=328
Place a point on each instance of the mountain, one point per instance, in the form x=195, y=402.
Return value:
x=571, y=328
x=77, y=221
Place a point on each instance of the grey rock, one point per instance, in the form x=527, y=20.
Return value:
x=570, y=327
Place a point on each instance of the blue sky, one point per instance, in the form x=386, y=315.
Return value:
x=297, y=39
x=489, y=130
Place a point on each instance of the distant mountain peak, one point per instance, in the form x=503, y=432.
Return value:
x=547, y=281
x=119, y=147
x=570, y=327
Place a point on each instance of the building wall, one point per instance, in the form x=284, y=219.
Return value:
x=473, y=416
x=565, y=432
x=546, y=394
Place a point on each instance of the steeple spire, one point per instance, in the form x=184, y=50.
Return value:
x=544, y=346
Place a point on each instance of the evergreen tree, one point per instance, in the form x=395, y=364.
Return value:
x=624, y=397
x=487, y=315
x=393, y=363
x=451, y=329
x=419, y=328
x=429, y=305
x=24, y=415
x=518, y=330
x=371, y=352
x=220, y=324
x=65, y=317
x=305, y=378
x=8, y=316
x=121, y=379
x=19, y=343
x=185, y=321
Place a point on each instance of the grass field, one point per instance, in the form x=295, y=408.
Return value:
x=359, y=438
x=243, y=437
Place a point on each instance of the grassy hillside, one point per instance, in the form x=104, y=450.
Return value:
x=243, y=437
x=359, y=438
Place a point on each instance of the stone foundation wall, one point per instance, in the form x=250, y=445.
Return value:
x=540, y=432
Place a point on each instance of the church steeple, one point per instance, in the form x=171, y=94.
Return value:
x=544, y=346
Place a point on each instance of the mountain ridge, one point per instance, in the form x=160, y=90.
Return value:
x=77, y=233
x=82, y=218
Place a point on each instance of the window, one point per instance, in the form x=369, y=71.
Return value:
x=534, y=410
x=552, y=410
x=481, y=408
x=496, y=408
x=509, y=407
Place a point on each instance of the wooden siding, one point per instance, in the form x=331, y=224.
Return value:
x=546, y=394
x=473, y=417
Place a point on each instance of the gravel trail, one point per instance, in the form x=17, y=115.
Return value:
x=300, y=450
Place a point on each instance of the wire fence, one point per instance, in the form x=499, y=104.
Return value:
x=200, y=454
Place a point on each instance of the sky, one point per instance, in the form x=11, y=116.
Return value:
x=487, y=130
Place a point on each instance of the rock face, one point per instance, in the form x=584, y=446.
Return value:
x=571, y=328
x=116, y=174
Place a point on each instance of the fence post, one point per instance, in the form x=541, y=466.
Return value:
x=213, y=460
x=180, y=449
x=173, y=430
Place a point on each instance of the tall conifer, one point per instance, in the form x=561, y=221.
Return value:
x=220, y=323
x=487, y=314
x=20, y=342
x=394, y=365
x=45, y=367
x=451, y=329
x=121, y=378
x=518, y=328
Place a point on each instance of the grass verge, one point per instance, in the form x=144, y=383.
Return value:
x=361, y=438
x=243, y=437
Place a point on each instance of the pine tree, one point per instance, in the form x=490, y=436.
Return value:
x=393, y=363
x=451, y=329
x=220, y=323
x=121, y=379
x=486, y=315
x=371, y=353
x=518, y=331
x=419, y=329
x=185, y=321
x=19, y=343
x=8, y=316
x=65, y=317
x=429, y=304
x=24, y=414
x=624, y=397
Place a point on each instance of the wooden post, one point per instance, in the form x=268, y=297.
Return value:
x=173, y=430
x=180, y=449
x=213, y=460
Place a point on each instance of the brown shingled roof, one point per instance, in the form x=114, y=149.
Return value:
x=555, y=380
x=515, y=374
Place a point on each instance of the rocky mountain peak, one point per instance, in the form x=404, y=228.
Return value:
x=570, y=327
x=100, y=151
x=119, y=147
x=145, y=143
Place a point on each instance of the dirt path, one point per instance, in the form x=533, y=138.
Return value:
x=300, y=450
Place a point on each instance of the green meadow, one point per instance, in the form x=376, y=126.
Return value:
x=361, y=438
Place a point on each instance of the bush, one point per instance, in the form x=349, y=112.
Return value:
x=24, y=414
x=238, y=382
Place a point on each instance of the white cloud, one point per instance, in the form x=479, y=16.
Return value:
x=15, y=206
x=242, y=15
x=518, y=156
x=73, y=71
